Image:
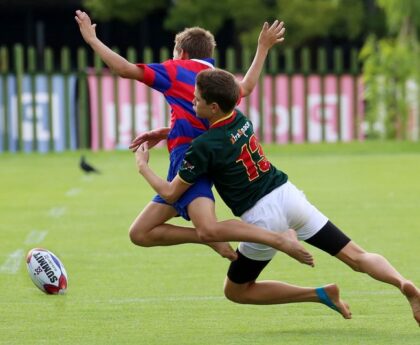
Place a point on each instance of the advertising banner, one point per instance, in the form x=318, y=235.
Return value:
x=334, y=111
x=36, y=121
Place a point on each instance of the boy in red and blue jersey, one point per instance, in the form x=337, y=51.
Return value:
x=175, y=79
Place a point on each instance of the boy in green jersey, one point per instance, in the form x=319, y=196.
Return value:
x=262, y=195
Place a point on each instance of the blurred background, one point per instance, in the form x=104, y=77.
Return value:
x=348, y=69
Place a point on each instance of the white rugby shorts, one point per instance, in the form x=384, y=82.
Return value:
x=284, y=208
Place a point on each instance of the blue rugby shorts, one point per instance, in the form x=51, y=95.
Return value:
x=202, y=188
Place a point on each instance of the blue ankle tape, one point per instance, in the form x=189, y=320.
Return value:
x=323, y=297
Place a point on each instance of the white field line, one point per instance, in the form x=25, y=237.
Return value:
x=57, y=212
x=13, y=261
x=73, y=192
x=35, y=237
x=164, y=299
x=192, y=299
x=87, y=178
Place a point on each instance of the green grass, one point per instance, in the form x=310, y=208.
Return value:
x=122, y=294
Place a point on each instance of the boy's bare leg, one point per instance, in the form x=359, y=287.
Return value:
x=149, y=229
x=275, y=292
x=380, y=269
x=202, y=214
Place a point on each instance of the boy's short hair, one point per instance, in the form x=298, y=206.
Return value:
x=218, y=86
x=197, y=42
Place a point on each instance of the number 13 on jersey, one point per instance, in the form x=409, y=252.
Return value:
x=253, y=159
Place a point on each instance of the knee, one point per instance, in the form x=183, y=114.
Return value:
x=232, y=295
x=236, y=294
x=139, y=237
x=207, y=233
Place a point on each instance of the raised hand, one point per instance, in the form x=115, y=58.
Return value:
x=271, y=35
x=87, y=29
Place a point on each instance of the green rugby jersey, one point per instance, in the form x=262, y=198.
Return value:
x=231, y=156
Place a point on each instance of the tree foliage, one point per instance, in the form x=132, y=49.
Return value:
x=304, y=19
x=318, y=18
x=125, y=10
x=207, y=14
x=390, y=64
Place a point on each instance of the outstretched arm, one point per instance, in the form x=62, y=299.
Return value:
x=152, y=138
x=115, y=62
x=269, y=36
x=170, y=191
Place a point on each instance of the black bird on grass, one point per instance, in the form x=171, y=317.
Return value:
x=86, y=167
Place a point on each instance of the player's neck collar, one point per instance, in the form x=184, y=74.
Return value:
x=224, y=120
x=208, y=62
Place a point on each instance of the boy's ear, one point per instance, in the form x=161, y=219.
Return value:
x=214, y=108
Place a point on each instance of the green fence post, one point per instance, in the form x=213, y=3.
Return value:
x=65, y=69
x=230, y=60
x=216, y=56
x=354, y=70
x=18, y=52
x=98, y=66
x=132, y=57
x=83, y=98
x=289, y=69
x=148, y=57
x=116, y=104
x=322, y=70
x=402, y=117
x=49, y=58
x=164, y=55
x=246, y=62
x=4, y=70
x=306, y=70
x=32, y=69
x=338, y=71
x=417, y=138
x=273, y=69
x=261, y=103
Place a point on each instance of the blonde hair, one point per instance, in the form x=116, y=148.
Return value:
x=195, y=41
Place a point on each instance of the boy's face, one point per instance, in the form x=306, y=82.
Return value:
x=201, y=108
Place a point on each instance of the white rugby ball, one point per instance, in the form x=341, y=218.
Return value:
x=46, y=271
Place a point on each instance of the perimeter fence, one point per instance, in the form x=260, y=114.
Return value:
x=69, y=100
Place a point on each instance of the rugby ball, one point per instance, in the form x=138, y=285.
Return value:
x=46, y=271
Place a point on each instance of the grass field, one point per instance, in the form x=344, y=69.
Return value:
x=122, y=294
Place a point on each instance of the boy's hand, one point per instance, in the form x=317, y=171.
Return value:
x=270, y=35
x=152, y=137
x=87, y=29
x=142, y=156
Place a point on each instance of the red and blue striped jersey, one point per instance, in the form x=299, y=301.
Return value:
x=175, y=79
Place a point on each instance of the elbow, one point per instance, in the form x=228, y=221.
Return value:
x=124, y=71
x=168, y=196
x=169, y=199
